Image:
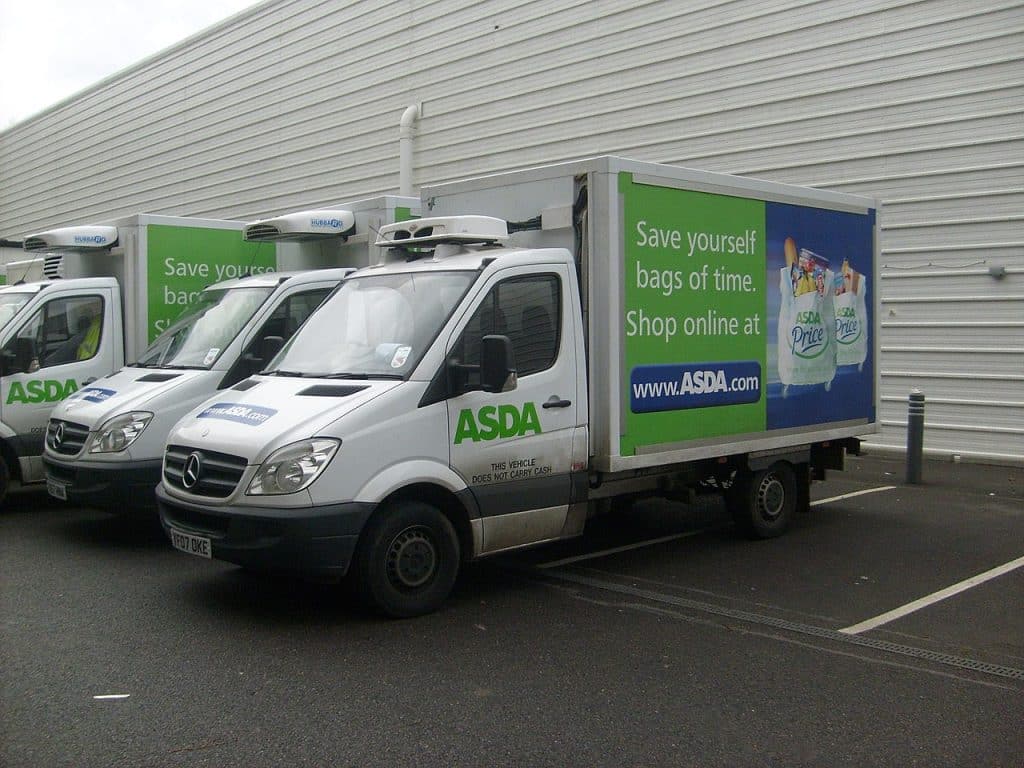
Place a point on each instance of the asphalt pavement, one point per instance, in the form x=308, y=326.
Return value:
x=661, y=638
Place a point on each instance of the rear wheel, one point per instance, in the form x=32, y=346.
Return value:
x=762, y=503
x=407, y=560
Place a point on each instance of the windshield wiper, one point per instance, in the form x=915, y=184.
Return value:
x=278, y=372
x=185, y=367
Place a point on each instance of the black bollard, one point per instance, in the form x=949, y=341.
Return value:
x=915, y=436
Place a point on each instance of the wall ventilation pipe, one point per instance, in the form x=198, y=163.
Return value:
x=405, y=133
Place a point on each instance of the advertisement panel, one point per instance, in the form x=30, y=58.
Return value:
x=741, y=316
x=182, y=261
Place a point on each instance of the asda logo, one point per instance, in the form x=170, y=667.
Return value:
x=810, y=317
x=493, y=422
x=807, y=338
x=40, y=391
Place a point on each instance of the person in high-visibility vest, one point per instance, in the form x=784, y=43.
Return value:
x=90, y=343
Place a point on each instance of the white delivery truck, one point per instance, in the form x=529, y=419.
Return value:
x=104, y=443
x=99, y=294
x=644, y=329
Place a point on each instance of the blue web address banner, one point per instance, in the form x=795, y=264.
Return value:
x=676, y=387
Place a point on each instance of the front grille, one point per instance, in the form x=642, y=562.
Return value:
x=66, y=437
x=211, y=474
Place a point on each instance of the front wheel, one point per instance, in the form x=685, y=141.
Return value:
x=407, y=560
x=762, y=503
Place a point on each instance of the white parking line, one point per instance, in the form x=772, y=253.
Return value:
x=854, y=493
x=688, y=534
x=637, y=545
x=935, y=597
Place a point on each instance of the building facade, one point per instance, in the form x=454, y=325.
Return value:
x=297, y=103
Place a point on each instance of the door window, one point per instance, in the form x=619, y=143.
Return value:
x=528, y=311
x=283, y=322
x=64, y=330
x=291, y=313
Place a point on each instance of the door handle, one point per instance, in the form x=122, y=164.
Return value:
x=556, y=402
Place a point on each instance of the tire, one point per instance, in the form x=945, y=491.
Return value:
x=763, y=503
x=5, y=478
x=407, y=560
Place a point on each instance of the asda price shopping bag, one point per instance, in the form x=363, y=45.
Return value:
x=850, y=304
x=807, y=323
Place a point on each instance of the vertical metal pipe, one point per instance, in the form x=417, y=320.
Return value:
x=406, y=131
x=915, y=436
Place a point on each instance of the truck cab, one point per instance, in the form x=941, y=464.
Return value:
x=396, y=416
x=59, y=337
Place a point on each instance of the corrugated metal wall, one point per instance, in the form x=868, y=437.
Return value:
x=297, y=103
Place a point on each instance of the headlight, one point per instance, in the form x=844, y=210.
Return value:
x=120, y=432
x=293, y=467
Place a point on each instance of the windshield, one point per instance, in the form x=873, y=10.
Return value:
x=374, y=327
x=205, y=328
x=10, y=303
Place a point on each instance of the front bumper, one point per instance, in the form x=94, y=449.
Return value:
x=314, y=540
x=124, y=487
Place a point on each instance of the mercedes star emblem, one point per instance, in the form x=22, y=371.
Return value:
x=193, y=465
x=58, y=435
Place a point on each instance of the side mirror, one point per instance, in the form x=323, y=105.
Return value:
x=262, y=353
x=17, y=358
x=497, y=364
x=270, y=347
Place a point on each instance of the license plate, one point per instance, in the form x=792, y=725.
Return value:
x=193, y=545
x=57, y=490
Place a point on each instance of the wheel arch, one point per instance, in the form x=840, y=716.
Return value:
x=432, y=482
x=458, y=508
x=763, y=501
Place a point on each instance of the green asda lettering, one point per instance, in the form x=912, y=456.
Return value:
x=809, y=317
x=492, y=422
x=40, y=391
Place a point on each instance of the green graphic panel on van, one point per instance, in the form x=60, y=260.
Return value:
x=694, y=320
x=182, y=261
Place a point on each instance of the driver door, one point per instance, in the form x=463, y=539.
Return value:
x=514, y=448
